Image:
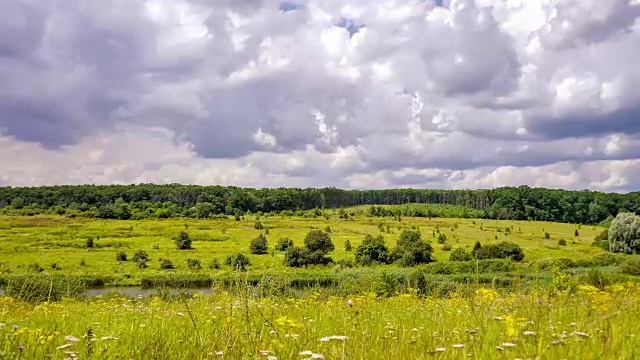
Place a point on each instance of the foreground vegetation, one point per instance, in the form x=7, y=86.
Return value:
x=560, y=322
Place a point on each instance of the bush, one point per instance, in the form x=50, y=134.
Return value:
x=386, y=285
x=327, y=229
x=347, y=246
x=596, y=278
x=183, y=241
x=442, y=238
x=166, y=264
x=372, y=250
x=284, y=244
x=605, y=259
x=258, y=225
x=576, y=233
x=259, y=245
x=297, y=257
x=215, y=264
x=446, y=247
x=89, y=243
x=55, y=266
x=142, y=264
x=35, y=267
x=317, y=240
x=547, y=235
x=411, y=250
x=141, y=255
x=460, y=254
x=238, y=261
x=194, y=264
x=624, y=233
x=501, y=250
x=631, y=267
x=562, y=242
x=121, y=256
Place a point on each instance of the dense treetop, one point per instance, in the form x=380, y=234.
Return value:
x=162, y=201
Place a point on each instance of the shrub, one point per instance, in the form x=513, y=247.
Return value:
x=562, y=242
x=476, y=248
x=386, y=285
x=155, y=247
x=258, y=225
x=346, y=263
x=372, y=250
x=141, y=255
x=215, y=264
x=624, y=233
x=605, y=259
x=259, y=245
x=631, y=267
x=35, y=267
x=347, y=246
x=89, y=243
x=460, y=254
x=547, y=235
x=194, y=264
x=446, y=247
x=576, y=233
x=55, y=266
x=166, y=264
x=602, y=240
x=238, y=261
x=317, y=240
x=183, y=241
x=411, y=249
x=501, y=250
x=442, y=238
x=284, y=244
x=83, y=263
x=142, y=264
x=327, y=229
x=121, y=256
x=596, y=278
x=297, y=257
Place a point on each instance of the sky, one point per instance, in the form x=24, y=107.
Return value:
x=349, y=93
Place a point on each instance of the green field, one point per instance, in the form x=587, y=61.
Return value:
x=561, y=302
x=48, y=240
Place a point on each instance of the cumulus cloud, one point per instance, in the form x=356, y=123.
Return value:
x=453, y=93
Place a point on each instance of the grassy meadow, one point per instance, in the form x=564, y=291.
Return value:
x=58, y=244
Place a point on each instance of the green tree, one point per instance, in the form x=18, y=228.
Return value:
x=259, y=245
x=238, y=261
x=204, y=209
x=460, y=254
x=284, y=244
x=320, y=241
x=347, y=246
x=372, y=250
x=411, y=250
x=624, y=233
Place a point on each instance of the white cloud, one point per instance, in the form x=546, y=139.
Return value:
x=350, y=93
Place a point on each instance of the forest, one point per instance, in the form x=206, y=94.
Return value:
x=152, y=201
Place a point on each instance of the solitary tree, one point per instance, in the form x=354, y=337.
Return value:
x=624, y=234
x=183, y=241
x=372, y=250
x=259, y=245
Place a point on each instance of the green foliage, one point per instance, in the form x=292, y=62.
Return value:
x=447, y=247
x=327, y=229
x=386, y=285
x=476, y=247
x=631, y=266
x=624, y=233
x=602, y=240
x=502, y=250
x=576, y=233
x=89, y=243
x=238, y=261
x=442, y=238
x=258, y=225
x=214, y=264
x=259, y=245
x=411, y=250
x=35, y=267
x=460, y=254
x=284, y=244
x=372, y=250
x=318, y=241
x=166, y=264
x=194, y=264
x=183, y=241
x=547, y=235
x=562, y=242
x=347, y=246
x=121, y=256
x=141, y=255
x=142, y=264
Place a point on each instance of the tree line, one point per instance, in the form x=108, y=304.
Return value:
x=176, y=200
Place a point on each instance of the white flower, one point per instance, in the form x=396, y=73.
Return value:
x=458, y=346
x=333, y=337
x=441, y=349
x=414, y=329
x=266, y=352
x=110, y=338
x=498, y=318
x=556, y=342
x=349, y=302
x=64, y=346
x=271, y=357
x=179, y=313
x=306, y=353
x=499, y=348
x=219, y=352
x=509, y=345
x=580, y=333
x=317, y=356
x=529, y=333
x=71, y=338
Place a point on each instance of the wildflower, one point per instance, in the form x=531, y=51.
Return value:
x=20, y=347
x=499, y=348
x=440, y=349
x=71, y=338
x=509, y=345
x=350, y=303
x=272, y=332
x=529, y=333
x=556, y=342
x=64, y=346
x=15, y=327
x=458, y=346
x=272, y=358
x=110, y=338
x=219, y=352
x=414, y=329
x=581, y=334
x=333, y=337
x=179, y=313
x=266, y=352
x=306, y=353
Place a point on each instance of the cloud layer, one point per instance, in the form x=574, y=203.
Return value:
x=321, y=93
